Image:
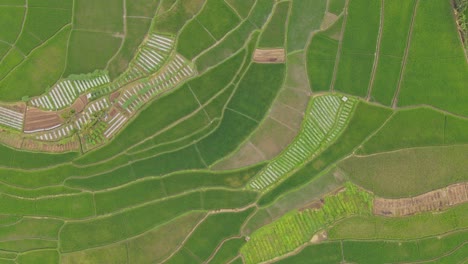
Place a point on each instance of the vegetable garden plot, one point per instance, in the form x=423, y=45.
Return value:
x=65, y=92
x=11, y=118
x=298, y=227
x=172, y=75
x=327, y=117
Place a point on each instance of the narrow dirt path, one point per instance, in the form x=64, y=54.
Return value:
x=405, y=57
x=377, y=51
x=340, y=46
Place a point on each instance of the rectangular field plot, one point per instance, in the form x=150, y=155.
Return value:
x=274, y=35
x=321, y=56
x=326, y=118
x=99, y=15
x=269, y=56
x=437, y=70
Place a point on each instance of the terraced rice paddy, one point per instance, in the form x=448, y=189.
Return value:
x=327, y=117
x=233, y=131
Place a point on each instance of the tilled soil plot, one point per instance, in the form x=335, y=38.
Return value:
x=32, y=145
x=431, y=201
x=269, y=56
x=37, y=120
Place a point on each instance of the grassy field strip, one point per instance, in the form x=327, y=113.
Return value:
x=340, y=47
x=297, y=227
x=377, y=51
x=405, y=56
x=327, y=118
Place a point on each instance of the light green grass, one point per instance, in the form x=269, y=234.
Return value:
x=41, y=73
x=41, y=24
x=436, y=71
x=306, y=16
x=99, y=15
x=88, y=51
x=409, y=172
x=11, y=19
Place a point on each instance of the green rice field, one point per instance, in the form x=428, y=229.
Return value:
x=233, y=131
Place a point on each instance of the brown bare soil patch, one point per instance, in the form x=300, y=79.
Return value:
x=269, y=56
x=114, y=96
x=80, y=104
x=37, y=119
x=54, y=147
x=319, y=237
x=432, y=201
x=328, y=20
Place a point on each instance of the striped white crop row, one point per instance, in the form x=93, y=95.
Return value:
x=175, y=72
x=115, y=123
x=325, y=122
x=11, y=118
x=65, y=92
x=83, y=85
x=98, y=105
x=56, y=134
x=154, y=53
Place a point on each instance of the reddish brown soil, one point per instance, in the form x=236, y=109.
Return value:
x=114, y=96
x=431, y=201
x=80, y=104
x=29, y=144
x=17, y=107
x=269, y=56
x=37, y=119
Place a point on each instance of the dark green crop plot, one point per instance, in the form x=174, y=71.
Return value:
x=321, y=56
x=90, y=50
x=325, y=253
x=274, y=33
x=228, y=250
x=257, y=90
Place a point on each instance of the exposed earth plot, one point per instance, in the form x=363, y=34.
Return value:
x=233, y=131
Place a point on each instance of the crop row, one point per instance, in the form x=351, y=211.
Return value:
x=297, y=227
x=325, y=120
